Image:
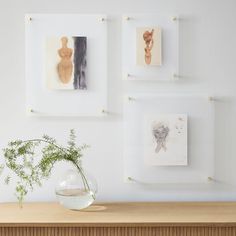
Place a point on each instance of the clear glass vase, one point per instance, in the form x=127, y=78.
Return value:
x=76, y=189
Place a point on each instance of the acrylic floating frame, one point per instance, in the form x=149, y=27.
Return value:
x=66, y=64
x=150, y=47
x=185, y=155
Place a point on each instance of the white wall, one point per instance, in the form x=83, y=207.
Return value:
x=207, y=63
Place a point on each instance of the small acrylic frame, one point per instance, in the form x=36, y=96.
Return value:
x=42, y=101
x=168, y=67
x=200, y=112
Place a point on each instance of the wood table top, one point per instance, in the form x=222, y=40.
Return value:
x=122, y=213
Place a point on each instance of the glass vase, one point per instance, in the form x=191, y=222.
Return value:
x=76, y=190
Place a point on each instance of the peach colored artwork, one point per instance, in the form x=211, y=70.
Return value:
x=65, y=66
x=66, y=62
x=148, y=46
x=148, y=38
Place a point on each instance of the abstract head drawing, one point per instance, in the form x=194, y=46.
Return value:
x=160, y=132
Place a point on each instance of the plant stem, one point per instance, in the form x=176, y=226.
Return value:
x=85, y=182
x=45, y=141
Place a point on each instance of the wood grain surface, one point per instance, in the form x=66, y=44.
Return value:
x=106, y=219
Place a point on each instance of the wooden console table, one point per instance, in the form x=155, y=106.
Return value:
x=129, y=219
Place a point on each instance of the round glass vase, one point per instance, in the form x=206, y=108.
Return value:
x=76, y=190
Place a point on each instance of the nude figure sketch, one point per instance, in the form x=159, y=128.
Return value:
x=148, y=38
x=65, y=66
x=66, y=62
x=160, y=133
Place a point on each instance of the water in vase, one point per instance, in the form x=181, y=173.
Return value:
x=75, y=198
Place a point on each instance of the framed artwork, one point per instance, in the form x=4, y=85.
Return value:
x=166, y=140
x=150, y=46
x=66, y=63
x=62, y=64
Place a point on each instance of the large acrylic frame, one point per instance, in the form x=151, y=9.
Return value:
x=200, y=111
x=44, y=102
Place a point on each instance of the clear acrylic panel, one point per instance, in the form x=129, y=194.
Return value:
x=66, y=102
x=168, y=67
x=200, y=138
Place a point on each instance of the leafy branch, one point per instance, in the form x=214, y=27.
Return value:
x=19, y=158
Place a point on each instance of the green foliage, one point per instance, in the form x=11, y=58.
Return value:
x=1, y=169
x=19, y=158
